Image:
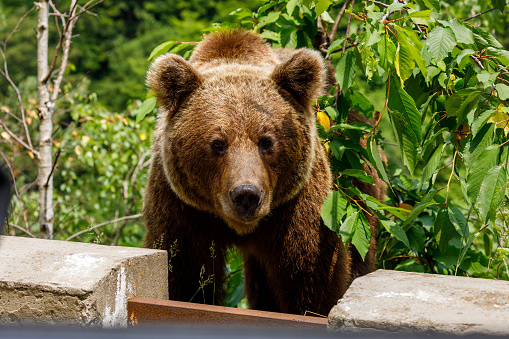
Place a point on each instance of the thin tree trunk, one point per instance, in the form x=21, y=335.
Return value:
x=45, y=175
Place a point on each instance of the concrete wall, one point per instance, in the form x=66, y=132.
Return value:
x=57, y=282
x=405, y=302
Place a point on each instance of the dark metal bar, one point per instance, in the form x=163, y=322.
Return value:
x=145, y=311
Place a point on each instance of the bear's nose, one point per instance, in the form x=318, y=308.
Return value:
x=246, y=197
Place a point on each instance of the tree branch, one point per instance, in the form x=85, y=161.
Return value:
x=65, y=36
x=17, y=25
x=21, y=229
x=479, y=14
x=348, y=30
x=136, y=216
x=338, y=20
x=5, y=74
x=23, y=212
x=18, y=140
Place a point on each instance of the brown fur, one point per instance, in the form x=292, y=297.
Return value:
x=238, y=115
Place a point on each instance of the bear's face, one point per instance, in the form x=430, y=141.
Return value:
x=235, y=140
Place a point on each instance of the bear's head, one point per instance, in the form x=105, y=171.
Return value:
x=237, y=139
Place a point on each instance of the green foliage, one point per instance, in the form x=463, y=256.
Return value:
x=100, y=170
x=446, y=88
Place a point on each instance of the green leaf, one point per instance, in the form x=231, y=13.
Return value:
x=501, y=54
x=481, y=120
x=440, y=42
x=484, y=39
x=375, y=160
x=266, y=7
x=335, y=44
x=386, y=51
x=409, y=265
x=461, y=32
x=337, y=148
x=290, y=6
x=396, y=230
x=395, y=6
x=404, y=62
x=475, y=263
x=361, y=238
x=432, y=165
x=161, y=49
x=270, y=35
x=416, y=238
x=288, y=38
x=488, y=244
x=425, y=202
x=502, y=90
x=487, y=78
x=332, y=112
x=477, y=172
x=361, y=104
x=444, y=229
x=462, y=55
x=406, y=121
x=488, y=192
x=267, y=19
x=146, y=107
x=333, y=210
x=458, y=219
x=374, y=36
x=461, y=103
x=421, y=14
x=433, y=4
x=499, y=4
x=410, y=44
x=345, y=70
x=322, y=6
x=359, y=174
x=347, y=228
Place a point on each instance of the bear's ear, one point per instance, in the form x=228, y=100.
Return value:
x=302, y=76
x=172, y=79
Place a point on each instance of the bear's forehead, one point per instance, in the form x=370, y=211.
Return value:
x=239, y=72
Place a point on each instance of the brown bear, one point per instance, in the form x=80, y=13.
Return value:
x=237, y=162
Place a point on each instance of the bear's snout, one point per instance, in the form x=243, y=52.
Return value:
x=246, y=199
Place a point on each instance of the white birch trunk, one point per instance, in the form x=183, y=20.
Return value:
x=45, y=177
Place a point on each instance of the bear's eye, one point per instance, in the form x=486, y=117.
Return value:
x=218, y=146
x=266, y=144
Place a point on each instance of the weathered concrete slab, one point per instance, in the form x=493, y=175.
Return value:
x=393, y=301
x=58, y=282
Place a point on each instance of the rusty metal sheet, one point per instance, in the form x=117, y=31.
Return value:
x=145, y=311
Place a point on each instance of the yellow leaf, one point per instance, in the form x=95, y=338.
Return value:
x=75, y=135
x=33, y=102
x=28, y=120
x=85, y=139
x=143, y=136
x=405, y=208
x=56, y=143
x=103, y=121
x=5, y=109
x=501, y=118
x=78, y=150
x=323, y=119
x=33, y=114
x=30, y=154
x=5, y=135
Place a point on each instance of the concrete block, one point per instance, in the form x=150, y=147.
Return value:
x=58, y=282
x=404, y=302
